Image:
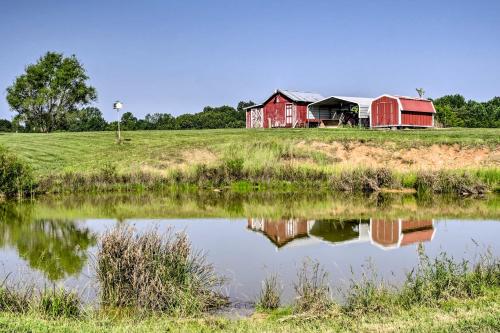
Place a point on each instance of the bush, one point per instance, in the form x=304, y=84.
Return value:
x=442, y=278
x=155, y=272
x=59, y=303
x=448, y=182
x=270, y=295
x=312, y=289
x=367, y=295
x=16, y=178
x=15, y=301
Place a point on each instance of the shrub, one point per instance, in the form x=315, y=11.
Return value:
x=442, y=278
x=59, y=303
x=15, y=301
x=16, y=178
x=234, y=167
x=368, y=294
x=155, y=272
x=448, y=182
x=312, y=289
x=270, y=294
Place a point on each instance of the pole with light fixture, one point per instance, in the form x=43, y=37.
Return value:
x=118, y=106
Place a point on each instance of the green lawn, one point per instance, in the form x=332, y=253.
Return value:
x=57, y=152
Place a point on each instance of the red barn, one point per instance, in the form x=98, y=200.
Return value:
x=284, y=108
x=400, y=111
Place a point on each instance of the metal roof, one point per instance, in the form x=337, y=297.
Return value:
x=253, y=106
x=299, y=96
x=361, y=101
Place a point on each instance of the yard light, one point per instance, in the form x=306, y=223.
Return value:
x=118, y=106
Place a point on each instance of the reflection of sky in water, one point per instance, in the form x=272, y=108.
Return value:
x=246, y=254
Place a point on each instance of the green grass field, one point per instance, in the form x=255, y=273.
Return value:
x=160, y=150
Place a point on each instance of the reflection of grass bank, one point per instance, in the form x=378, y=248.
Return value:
x=304, y=204
x=439, y=295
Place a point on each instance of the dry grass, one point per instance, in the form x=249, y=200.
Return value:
x=157, y=272
x=312, y=289
x=270, y=294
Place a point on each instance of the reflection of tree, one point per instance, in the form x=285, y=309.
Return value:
x=55, y=247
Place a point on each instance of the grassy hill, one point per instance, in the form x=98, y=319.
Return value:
x=163, y=150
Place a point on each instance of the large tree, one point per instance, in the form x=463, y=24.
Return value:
x=48, y=90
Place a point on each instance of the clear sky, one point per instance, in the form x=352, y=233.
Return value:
x=179, y=56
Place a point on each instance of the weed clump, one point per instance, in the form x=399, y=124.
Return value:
x=312, y=289
x=15, y=301
x=270, y=294
x=364, y=180
x=16, y=177
x=442, y=278
x=448, y=182
x=157, y=272
x=59, y=303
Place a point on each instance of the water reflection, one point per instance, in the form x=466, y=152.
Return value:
x=387, y=234
x=56, y=247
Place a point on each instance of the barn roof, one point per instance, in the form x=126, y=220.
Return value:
x=415, y=104
x=300, y=96
x=253, y=106
x=363, y=103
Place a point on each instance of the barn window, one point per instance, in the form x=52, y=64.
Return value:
x=277, y=99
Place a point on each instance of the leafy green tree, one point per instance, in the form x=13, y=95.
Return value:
x=5, y=125
x=128, y=122
x=86, y=119
x=48, y=90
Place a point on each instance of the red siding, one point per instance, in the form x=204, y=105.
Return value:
x=385, y=112
x=417, y=105
x=416, y=119
x=275, y=112
x=248, y=118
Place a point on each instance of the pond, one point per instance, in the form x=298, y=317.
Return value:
x=248, y=236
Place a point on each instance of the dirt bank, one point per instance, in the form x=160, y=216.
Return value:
x=433, y=157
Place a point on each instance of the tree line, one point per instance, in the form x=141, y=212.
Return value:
x=53, y=95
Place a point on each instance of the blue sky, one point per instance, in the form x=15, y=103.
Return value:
x=179, y=56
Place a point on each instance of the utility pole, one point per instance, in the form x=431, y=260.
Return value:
x=118, y=106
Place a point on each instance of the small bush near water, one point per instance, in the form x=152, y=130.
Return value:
x=155, y=272
x=16, y=178
x=15, y=301
x=49, y=303
x=433, y=281
x=270, y=295
x=312, y=289
x=59, y=303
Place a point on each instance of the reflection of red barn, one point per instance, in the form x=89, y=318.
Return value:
x=391, y=234
x=280, y=232
x=399, y=111
x=283, y=109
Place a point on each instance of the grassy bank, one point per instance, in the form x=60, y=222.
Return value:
x=465, y=315
x=463, y=161
x=160, y=150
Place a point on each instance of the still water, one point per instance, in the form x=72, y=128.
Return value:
x=54, y=241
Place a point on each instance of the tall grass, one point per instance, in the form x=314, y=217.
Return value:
x=59, y=303
x=312, y=289
x=16, y=177
x=432, y=282
x=157, y=272
x=270, y=294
